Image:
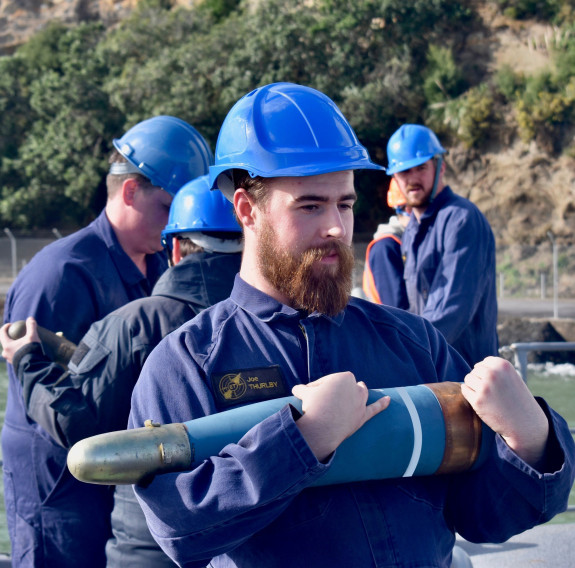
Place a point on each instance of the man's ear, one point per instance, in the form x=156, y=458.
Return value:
x=176, y=251
x=245, y=208
x=129, y=189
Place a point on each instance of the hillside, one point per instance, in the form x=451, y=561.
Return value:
x=20, y=19
x=523, y=190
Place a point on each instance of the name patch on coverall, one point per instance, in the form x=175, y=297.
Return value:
x=248, y=385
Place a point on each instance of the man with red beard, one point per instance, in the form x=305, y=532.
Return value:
x=448, y=247
x=313, y=278
x=285, y=156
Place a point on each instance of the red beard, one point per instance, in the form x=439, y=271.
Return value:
x=307, y=284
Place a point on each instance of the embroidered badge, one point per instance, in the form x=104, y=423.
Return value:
x=248, y=385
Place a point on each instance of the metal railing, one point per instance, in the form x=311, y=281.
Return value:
x=520, y=351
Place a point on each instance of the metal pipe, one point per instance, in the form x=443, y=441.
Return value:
x=520, y=350
x=555, y=275
x=56, y=346
x=427, y=429
x=13, y=251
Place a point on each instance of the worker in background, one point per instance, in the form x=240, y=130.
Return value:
x=286, y=156
x=53, y=519
x=383, y=271
x=93, y=395
x=448, y=247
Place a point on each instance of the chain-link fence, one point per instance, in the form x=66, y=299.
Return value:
x=536, y=271
x=15, y=252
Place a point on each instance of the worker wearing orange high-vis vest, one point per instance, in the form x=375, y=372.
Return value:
x=383, y=273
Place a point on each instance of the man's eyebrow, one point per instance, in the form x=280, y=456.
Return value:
x=324, y=198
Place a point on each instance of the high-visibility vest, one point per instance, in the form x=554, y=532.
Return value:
x=368, y=282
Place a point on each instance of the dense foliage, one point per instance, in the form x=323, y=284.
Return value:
x=70, y=90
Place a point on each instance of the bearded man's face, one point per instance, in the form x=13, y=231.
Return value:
x=307, y=282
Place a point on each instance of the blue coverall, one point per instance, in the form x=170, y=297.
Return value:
x=252, y=505
x=94, y=396
x=450, y=274
x=53, y=519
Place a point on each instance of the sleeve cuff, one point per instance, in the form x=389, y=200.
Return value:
x=289, y=415
x=30, y=348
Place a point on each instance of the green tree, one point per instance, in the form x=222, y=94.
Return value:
x=166, y=62
x=442, y=78
x=468, y=118
x=219, y=9
x=522, y=9
x=77, y=87
x=61, y=161
x=16, y=115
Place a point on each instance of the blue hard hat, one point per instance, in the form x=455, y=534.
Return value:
x=411, y=145
x=167, y=150
x=284, y=129
x=195, y=208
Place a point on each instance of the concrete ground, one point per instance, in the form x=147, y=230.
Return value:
x=546, y=546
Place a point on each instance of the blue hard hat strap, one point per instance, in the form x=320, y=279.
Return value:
x=168, y=247
x=438, y=164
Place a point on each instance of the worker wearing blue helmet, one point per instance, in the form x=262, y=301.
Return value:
x=448, y=247
x=285, y=157
x=52, y=519
x=201, y=215
x=93, y=395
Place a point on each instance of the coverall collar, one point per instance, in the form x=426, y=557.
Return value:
x=440, y=200
x=129, y=272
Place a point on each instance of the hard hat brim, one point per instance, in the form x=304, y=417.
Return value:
x=408, y=164
x=221, y=179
